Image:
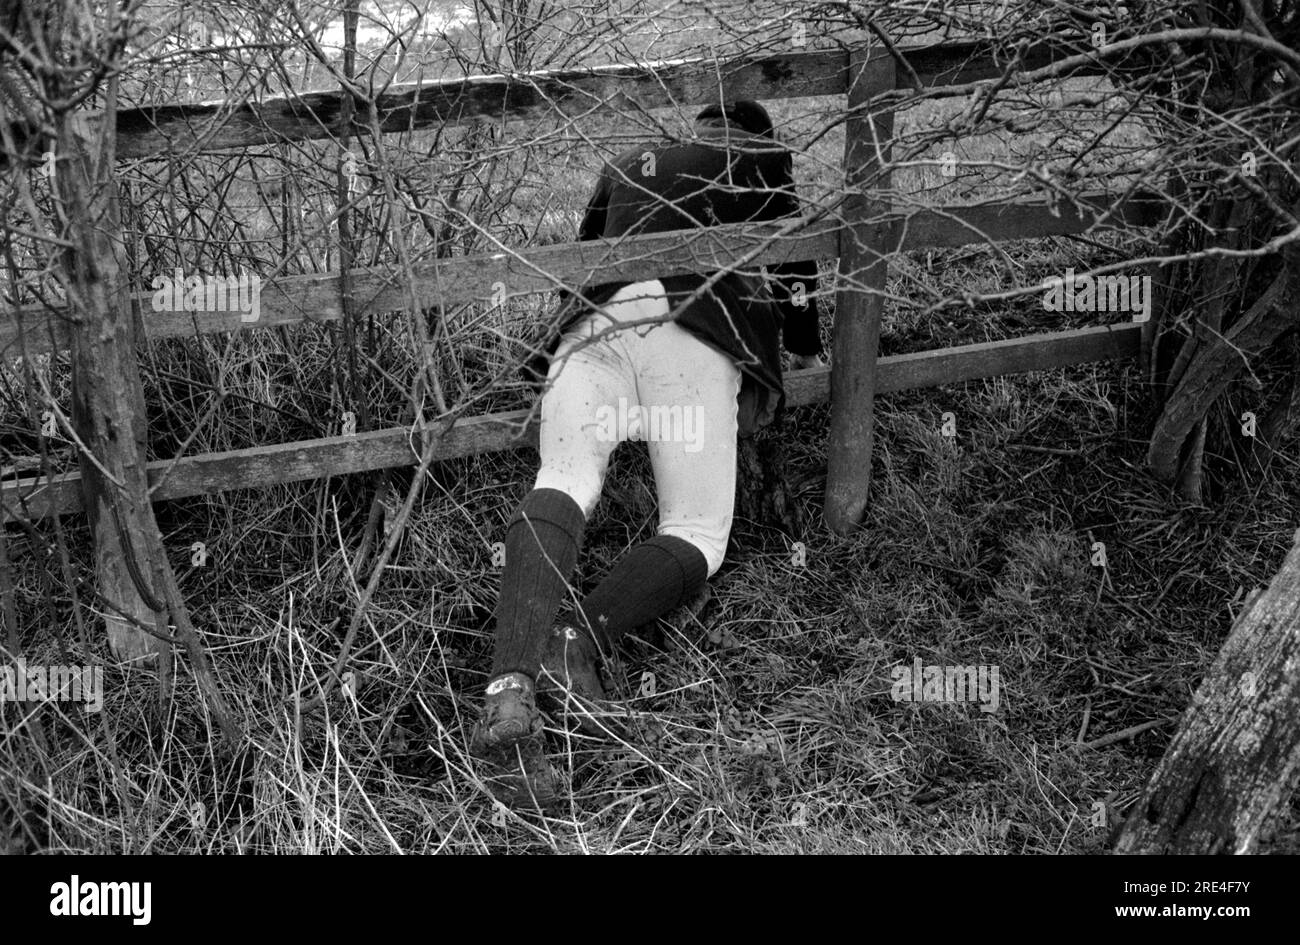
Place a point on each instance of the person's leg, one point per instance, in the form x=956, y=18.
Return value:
x=590, y=382
x=571, y=659
x=545, y=535
x=688, y=395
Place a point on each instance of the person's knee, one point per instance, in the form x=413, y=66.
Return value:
x=583, y=489
x=713, y=546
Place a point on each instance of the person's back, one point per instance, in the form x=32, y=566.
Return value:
x=725, y=176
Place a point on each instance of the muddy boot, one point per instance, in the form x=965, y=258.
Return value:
x=570, y=681
x=508, y=740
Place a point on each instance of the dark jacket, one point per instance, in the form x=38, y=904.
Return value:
x=726, y=176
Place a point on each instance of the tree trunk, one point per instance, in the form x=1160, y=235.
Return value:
x=1235, y=755
x=108, y=412
x=1214, y=368
x=135, y=580
x=1190, y=370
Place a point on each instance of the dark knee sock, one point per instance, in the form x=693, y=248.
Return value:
x=542, y=545
x=652, y=579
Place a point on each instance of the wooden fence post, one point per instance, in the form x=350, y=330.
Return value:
x=859, y=303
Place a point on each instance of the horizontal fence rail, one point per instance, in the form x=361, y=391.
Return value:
x=316, y=298
x=153, y=131
x=262, y=466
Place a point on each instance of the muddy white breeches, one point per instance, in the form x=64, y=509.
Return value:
x=610, y=382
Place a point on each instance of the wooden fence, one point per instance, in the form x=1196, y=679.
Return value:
x=862, y=244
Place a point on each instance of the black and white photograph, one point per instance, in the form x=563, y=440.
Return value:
x=650, y=427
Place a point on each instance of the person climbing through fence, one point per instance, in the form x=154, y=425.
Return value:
x=682, y=364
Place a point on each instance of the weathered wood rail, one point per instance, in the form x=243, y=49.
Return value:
x=862, y=245
x=262, y=466
x=149, y=132
x=316, y=298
